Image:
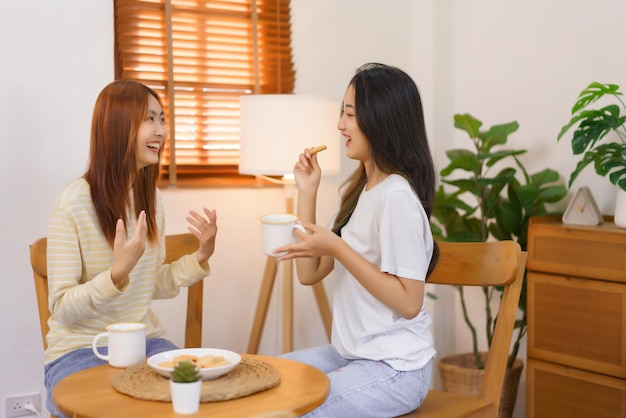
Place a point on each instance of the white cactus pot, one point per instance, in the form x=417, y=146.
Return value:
x=186, y=397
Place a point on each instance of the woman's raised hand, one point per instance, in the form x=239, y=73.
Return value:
x=126, y=253
x=205, y=229
x=307, y=171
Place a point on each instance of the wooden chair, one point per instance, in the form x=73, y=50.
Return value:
x=500, y=263
x=175, y=247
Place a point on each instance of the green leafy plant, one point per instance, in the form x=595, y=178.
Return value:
x=185, y=372
x=478, y=205
x=595, y=124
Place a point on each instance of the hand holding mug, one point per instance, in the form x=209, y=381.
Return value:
x=316, y=242
x=277, y=230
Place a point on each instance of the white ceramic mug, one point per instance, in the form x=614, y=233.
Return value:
x=277, y=230
x=126, y=342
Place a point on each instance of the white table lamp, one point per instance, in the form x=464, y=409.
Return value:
x=275, y=129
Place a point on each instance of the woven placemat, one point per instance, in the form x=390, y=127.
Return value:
x=250, y=376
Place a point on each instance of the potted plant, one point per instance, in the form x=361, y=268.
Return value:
x=609, y=159
x=185, y=386
x=476, y=204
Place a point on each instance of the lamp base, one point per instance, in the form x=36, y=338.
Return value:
x=265, y=294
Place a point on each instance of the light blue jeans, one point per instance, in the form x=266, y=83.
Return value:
x=364, y=388
x=84, y=358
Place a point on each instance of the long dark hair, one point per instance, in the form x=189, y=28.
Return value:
x=119, y=110
x=389, y=112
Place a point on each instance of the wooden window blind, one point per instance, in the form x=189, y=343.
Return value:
x=200, y=56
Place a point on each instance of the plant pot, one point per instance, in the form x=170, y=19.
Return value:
x=620, y=209
x=459, y=374
x=185, y=396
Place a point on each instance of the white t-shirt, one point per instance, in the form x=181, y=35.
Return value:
x=390, y=229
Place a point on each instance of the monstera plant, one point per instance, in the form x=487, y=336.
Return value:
x=609, y=158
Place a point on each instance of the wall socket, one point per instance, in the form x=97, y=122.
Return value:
x=14, y=405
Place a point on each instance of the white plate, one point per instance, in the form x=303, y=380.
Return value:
x=207, y=373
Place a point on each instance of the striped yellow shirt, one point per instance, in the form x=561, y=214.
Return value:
x=83, y=299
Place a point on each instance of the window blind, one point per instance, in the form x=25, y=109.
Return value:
x=200, y=56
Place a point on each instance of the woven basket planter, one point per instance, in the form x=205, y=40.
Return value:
x=459, y=374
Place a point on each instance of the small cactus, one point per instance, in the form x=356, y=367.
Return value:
x=185, y=372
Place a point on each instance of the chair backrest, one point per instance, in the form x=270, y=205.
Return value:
x=175, y=247
x=499, y=263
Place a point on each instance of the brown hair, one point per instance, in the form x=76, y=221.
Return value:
x=119, y=110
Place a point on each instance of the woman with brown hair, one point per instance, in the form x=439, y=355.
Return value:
x=106, y=242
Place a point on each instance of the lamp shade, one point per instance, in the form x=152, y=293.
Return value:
x=275, y=129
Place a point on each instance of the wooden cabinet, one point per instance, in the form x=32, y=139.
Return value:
x=576, y=278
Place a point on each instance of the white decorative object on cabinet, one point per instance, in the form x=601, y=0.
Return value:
x=620, y=208
x=582, y=209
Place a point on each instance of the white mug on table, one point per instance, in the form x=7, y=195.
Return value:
x=126, y=342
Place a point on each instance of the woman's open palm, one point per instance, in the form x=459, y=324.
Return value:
x=126, y=253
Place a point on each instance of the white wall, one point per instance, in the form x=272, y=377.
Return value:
x=527, y=61
x=56, y=57
x=500, y=61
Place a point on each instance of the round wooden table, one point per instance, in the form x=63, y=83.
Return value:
x=89, y=393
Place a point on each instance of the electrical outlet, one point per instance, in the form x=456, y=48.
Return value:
x=14, y=405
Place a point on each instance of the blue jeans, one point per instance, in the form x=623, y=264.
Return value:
x=364, y=388
x=84, y=358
